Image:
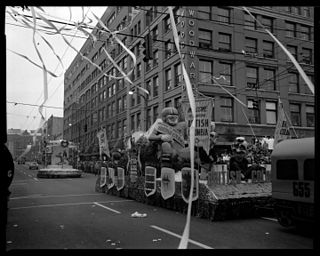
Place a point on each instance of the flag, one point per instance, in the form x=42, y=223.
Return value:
x=282, y=131
x=103, y=142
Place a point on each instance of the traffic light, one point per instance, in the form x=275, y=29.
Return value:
x=147, y=48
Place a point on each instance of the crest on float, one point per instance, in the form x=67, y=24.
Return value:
x=111, y=178
x=186, y=184
x=150, y=180
x=103, y=176
x=167, y=182
x=120, y=179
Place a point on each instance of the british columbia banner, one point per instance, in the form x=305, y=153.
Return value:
x=203, y=119
x=282, y=131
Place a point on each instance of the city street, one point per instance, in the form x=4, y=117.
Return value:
x=69, y=214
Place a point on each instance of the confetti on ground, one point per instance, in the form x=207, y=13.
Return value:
x=62, y=226
x=113, y=244
x=15, y=225
x=108, y=241
x=267, y=233
x=138, y=215
x=9, y=242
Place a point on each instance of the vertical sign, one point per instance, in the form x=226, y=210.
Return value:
x=203, y=119
x=150, y=180
x=110, y=177
x=133, y=165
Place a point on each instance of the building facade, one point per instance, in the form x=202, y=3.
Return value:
x=216, y=42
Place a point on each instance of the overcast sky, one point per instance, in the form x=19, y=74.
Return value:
x=25, y=80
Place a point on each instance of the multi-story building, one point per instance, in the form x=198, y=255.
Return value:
x=215, y=41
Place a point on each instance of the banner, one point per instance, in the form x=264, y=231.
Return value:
x=111, y=178
x=167, y=129
x=120, y=179
x=186, y=184
x=103, y=142
x=203, y=119
x=103, y=176
x=167, y=182
x=133, y=170
x=150, y=180
x=282, y=131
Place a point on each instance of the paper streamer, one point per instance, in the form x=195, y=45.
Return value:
x=294, y=61
x=185, y=236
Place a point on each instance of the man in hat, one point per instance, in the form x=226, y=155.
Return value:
x=238, y=161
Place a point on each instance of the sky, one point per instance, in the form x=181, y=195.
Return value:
x=25, y=80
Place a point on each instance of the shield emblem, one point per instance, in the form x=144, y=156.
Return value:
x=150, y=180
x=120, y=180
x=111, y=177
x=167, y=182
x=186, y=184
x=103, y=176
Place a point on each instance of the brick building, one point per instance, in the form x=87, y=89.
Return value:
x=216, y=41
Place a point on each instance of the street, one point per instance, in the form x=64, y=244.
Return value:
x=69, y=214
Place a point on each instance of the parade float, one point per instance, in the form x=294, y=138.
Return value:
x=61, y=157
x=155, y=169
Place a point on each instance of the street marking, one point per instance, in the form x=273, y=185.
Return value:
x=110, y=209
x=178, y=236
x=272, y=219
x=48, y=196
x=66, y=204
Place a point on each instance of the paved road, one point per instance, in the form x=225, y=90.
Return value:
x=69, y=214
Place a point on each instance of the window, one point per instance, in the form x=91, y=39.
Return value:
x=168, y=104
x=177, y=75
x=124, y=127
x=113, y=89
x=306, y=87
x=148, y=65
x=268, y=23
x=295, y=10
x=271, y=112
x=306, y=12
x=293, y=50
x=291, y=29
x=251, y=45
x=155, y=86
x=295, y=114
x=155, y=58
x=310, y=115
x=167, y=79
x=309, y=169
x=148, y=118
x=287, y=169
x=124, y=102
x=132, y=120
x=138, y=70
x=119, y=129
x=253, y=111
x=155, y=33
x=113, y=108
x=148, y=86
x=223, y=15
x=204, y=12
x=226, y=109
x=306, y=56
x=293, y=82
x=252, y=77
x=139, y=121
x=205, y=40
x=225, y=69
x=132, y=101
x=168, y=49
x=205, y=71
x=249, y=22
x=167, y=24
x=268, y=49
x=138, y=50
x=119, y=103
x=139, y=27
x=155, y=113
x=305, y=32
x=224, y=42
x=177, y=102
x=269, y=82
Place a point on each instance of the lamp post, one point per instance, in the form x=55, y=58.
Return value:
x=146, y=99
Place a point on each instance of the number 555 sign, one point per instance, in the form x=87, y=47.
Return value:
x=301, y=189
